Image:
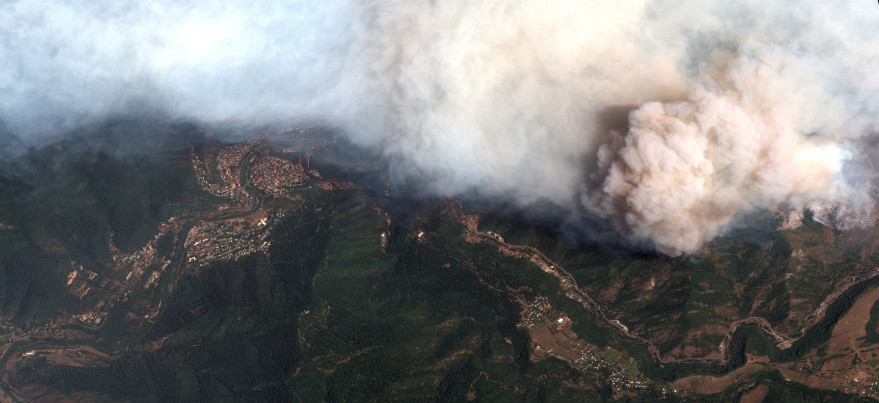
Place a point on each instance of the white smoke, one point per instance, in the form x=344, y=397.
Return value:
x=768, y=127
x=744, y=106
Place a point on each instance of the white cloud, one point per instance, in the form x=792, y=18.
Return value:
x=744, y=106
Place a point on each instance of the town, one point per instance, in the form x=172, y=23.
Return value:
x=243, y=175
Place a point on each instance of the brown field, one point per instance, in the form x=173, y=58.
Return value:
x=843, y=364
x=77, y=356
x=846, y=340
x=550, y=343
x=254, y=218
x=755, y=396
x=812, y=381
x=706, y=385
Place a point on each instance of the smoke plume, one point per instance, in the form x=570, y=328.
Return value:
x=734, y=107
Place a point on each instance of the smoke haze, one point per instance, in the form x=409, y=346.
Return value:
x=735, y=107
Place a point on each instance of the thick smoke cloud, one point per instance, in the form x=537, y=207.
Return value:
x=735, y=107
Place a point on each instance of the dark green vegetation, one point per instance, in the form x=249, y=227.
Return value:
x=410, y=324
x=227, y=334
x=872, y=326
x=779, y=390
x=689, y=302
x=330, y=314
x=62, y=202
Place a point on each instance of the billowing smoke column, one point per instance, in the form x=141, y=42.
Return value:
x=761, y=135
x=733, y=107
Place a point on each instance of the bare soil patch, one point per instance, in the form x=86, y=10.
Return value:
x=755, y=396
x=852, y=326
x=550, y=343
x=706, y=385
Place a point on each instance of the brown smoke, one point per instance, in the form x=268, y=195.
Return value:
x=739, y=107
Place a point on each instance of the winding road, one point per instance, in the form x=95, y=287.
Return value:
x=8, y=393
x=573, y=291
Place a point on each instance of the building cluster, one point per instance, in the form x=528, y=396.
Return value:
x=80, y=280
x=272, y=175
x=861, y=383
x=618, y=376
x=245, y=199
x=206, y=180
x=135, y=264
x=211, y=242
x=229, y=162
x=539, y=312
x=124, y=273
x=275, y=176
x=230, y=157
x=239, y=228
x=93, y=318
x=535, y=312
x=207, y=241
x=11, y=333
